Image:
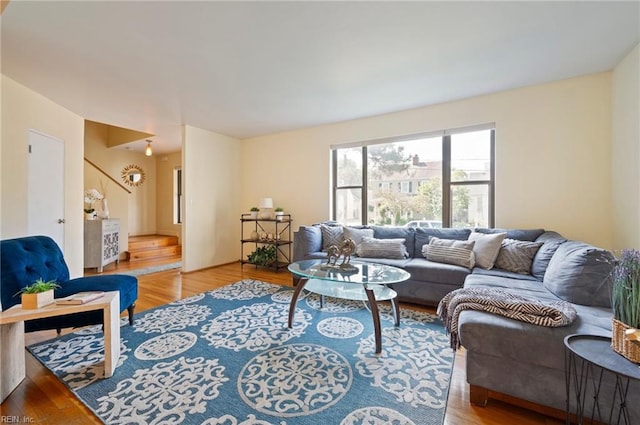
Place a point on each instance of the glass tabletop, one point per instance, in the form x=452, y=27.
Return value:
x=364, y=273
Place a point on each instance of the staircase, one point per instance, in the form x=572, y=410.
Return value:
x=153, y=248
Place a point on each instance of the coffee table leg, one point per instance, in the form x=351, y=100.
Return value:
x=376, y=318
x=396, y=311
x=294, y=299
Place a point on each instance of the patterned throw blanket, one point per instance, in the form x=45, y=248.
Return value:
x=504, y=303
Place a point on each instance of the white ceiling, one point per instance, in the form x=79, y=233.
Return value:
x=251, y=68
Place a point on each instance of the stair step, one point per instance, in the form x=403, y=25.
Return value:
x=150, y=247
x=154, y=252
x=151, y=241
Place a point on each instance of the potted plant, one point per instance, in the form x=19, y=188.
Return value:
x=38, y=294
x=254, y=212
x=263, y=256
x=279, y=213
x=625, y=300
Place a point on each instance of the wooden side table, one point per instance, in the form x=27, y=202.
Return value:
x=588, y=359
x=12, y=356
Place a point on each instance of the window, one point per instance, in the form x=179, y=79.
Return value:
x=445, y=177
x=348, y=177
x=177, y=196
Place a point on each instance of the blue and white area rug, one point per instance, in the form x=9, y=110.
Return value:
x=227, y=357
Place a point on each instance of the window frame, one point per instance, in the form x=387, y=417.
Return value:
x=177, y=196
x=447, y=184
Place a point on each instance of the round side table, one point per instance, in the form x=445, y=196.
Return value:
x=589, y=358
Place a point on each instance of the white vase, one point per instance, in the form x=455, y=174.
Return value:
x=91, y=215
x=105, y=209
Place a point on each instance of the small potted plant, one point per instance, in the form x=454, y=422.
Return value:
x=279, y=213
x=625, y=300
x=254, y=212
x=38, y=294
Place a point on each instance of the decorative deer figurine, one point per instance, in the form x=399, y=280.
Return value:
x=345, y=250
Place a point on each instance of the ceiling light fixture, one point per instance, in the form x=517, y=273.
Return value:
x=148, y=151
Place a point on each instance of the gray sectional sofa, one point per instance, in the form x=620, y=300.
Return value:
x=503, y=355
x=430, y=281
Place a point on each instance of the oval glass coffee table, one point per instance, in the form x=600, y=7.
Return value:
x=365, y=282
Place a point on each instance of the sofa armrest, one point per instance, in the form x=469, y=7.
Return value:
x=306, y=240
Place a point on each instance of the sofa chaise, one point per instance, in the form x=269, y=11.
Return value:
x=503, y=355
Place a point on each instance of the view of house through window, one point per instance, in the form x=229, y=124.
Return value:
x=441, y=181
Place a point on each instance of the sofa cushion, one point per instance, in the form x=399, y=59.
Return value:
x=427, y=271
x=423, y=234
x=382, y=248
x=309, y=239
x=356, y=234
x=520, y=234
x=450, y=251
x=394, y=232
x=580, y=273
x=551, y=241
x=486, y=248
x=505, y=273
x=517, y=256
x=331, y=235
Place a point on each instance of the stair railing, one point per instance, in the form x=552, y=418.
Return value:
x=107, y=175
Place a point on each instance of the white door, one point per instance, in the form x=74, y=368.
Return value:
x=46, y=187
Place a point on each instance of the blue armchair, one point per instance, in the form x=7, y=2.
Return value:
x=25, y=260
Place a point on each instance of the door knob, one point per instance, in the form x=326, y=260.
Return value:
x=61, y=221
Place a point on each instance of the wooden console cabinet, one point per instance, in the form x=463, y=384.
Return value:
x=101, y=242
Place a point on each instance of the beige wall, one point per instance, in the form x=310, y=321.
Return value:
x=553, y=164
x=625, y=159
x=24, y=109
x=165, y=166
x=553, y=150
x=211, y=230
x=136, y=210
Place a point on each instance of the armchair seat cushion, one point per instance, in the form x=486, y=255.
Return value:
x=127, y=285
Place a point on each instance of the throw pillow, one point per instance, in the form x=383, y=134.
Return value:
x=450, y=251
x=331, y=235
x=382, y=248
x=356, y=234
x=517, y=256
x=486, y=248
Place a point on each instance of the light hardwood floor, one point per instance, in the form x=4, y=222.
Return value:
x=43, y=399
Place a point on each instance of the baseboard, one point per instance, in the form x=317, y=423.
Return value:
x=210, y=267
